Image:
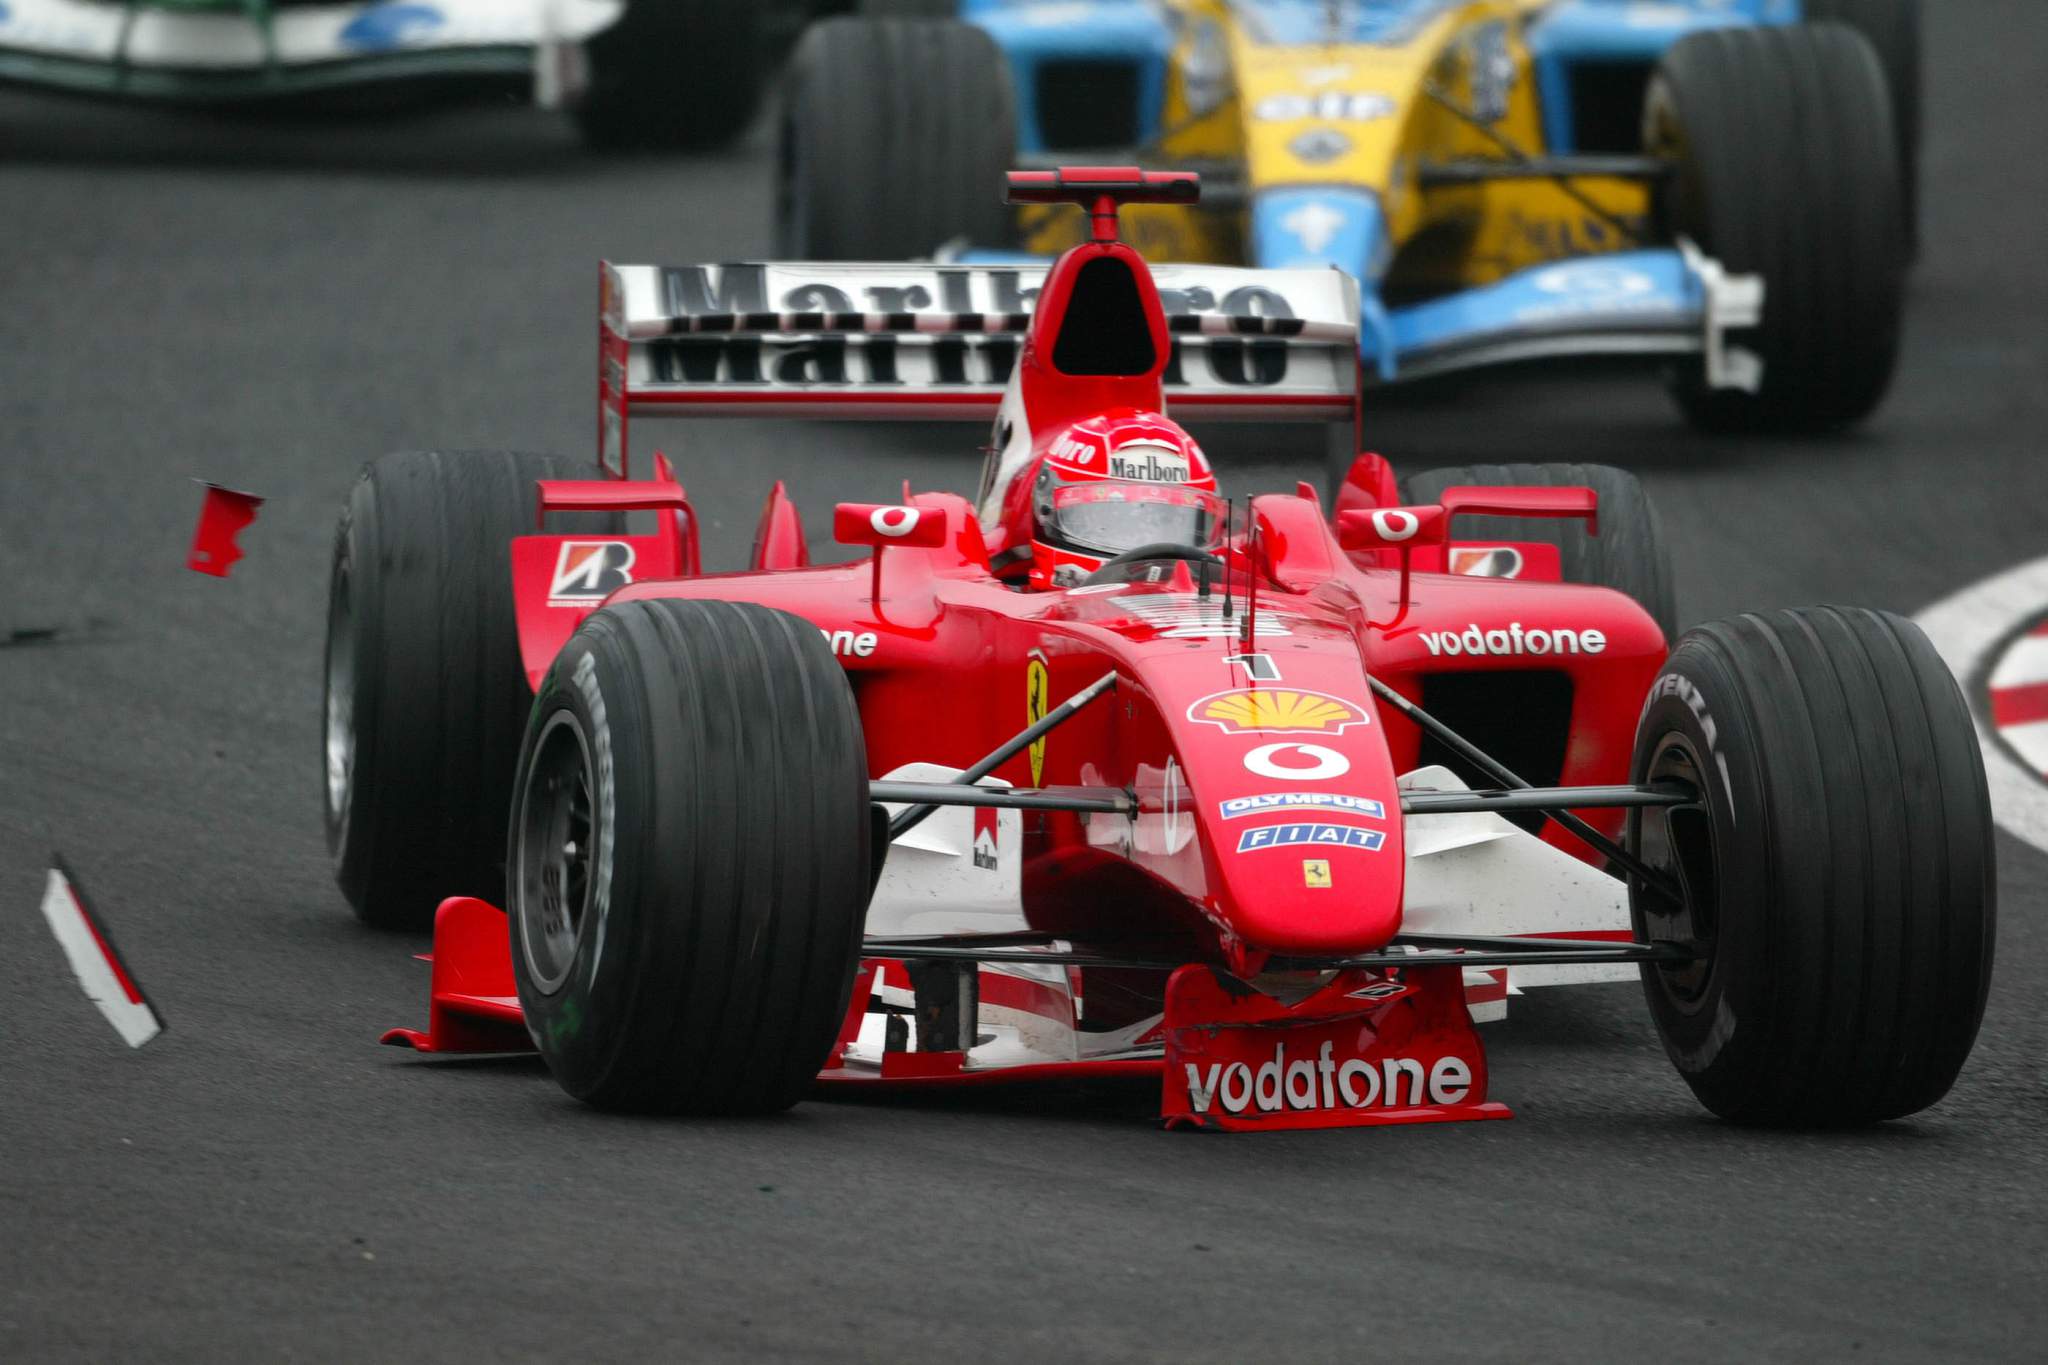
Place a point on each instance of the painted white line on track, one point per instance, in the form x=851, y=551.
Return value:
x=1965, y=628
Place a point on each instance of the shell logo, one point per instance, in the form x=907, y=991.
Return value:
x=1265, y=710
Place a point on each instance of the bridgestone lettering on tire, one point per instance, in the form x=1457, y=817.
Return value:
x=1837, y=867
x=426, y=696
x=689, y=855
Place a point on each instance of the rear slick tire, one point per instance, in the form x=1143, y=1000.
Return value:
x=426, y=696
x=1893, y=28
x=1785, y=167
x=1629, y=555
x=688, y=858
x=895, y=138
x=1837, y=867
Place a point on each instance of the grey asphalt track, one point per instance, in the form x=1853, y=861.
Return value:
x=269, y=305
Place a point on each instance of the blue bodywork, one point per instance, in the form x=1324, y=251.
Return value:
x=1032, y=32
x=1624, y=32
x=1645, y=291
x=390, y=26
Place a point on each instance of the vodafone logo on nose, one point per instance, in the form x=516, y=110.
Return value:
x=1320, y=1081
x=893, y=522
x=1297, y=762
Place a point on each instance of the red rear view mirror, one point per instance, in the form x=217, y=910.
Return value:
x=1392, y=528
x=882, y=525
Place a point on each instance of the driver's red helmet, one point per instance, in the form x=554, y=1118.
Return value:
x=1111, y=483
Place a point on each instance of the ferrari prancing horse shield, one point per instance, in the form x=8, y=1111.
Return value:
x=1036, y=684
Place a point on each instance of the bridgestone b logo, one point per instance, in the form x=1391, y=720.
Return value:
x=1324, y=1083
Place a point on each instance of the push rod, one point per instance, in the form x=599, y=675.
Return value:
x=1500, y=773
x=1569, y=955
x=911, y=818
x=1539, y=798
x=1085, y=800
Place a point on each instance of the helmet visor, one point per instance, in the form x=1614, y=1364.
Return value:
x=1113, y=516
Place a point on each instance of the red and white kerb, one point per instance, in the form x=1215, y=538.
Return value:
x=2018, y=697
x=107, y=983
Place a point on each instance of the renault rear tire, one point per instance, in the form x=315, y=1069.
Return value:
x=1784, y=167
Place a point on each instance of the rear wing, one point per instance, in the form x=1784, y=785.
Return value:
x=938, y=342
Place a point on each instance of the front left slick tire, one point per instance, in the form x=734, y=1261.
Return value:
x=1835, y=866
x=688, y=858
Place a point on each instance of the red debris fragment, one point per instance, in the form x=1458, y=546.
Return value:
x=222, y=517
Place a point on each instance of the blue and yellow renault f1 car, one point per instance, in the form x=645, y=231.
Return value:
x=1725, y=184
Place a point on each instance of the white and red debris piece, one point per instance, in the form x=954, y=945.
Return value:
x=2018, y=695
x=105, y=978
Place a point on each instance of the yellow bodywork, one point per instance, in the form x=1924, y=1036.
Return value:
x=1444, y=238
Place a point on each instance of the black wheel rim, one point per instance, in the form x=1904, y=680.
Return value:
x=1678, y=841
x=554, y=844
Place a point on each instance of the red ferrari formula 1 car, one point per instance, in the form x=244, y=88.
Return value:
x=1102, y=772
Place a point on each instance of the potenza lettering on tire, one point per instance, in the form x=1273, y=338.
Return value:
x=605, y=798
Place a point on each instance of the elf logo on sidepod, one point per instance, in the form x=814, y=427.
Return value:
x=1325, y=1083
